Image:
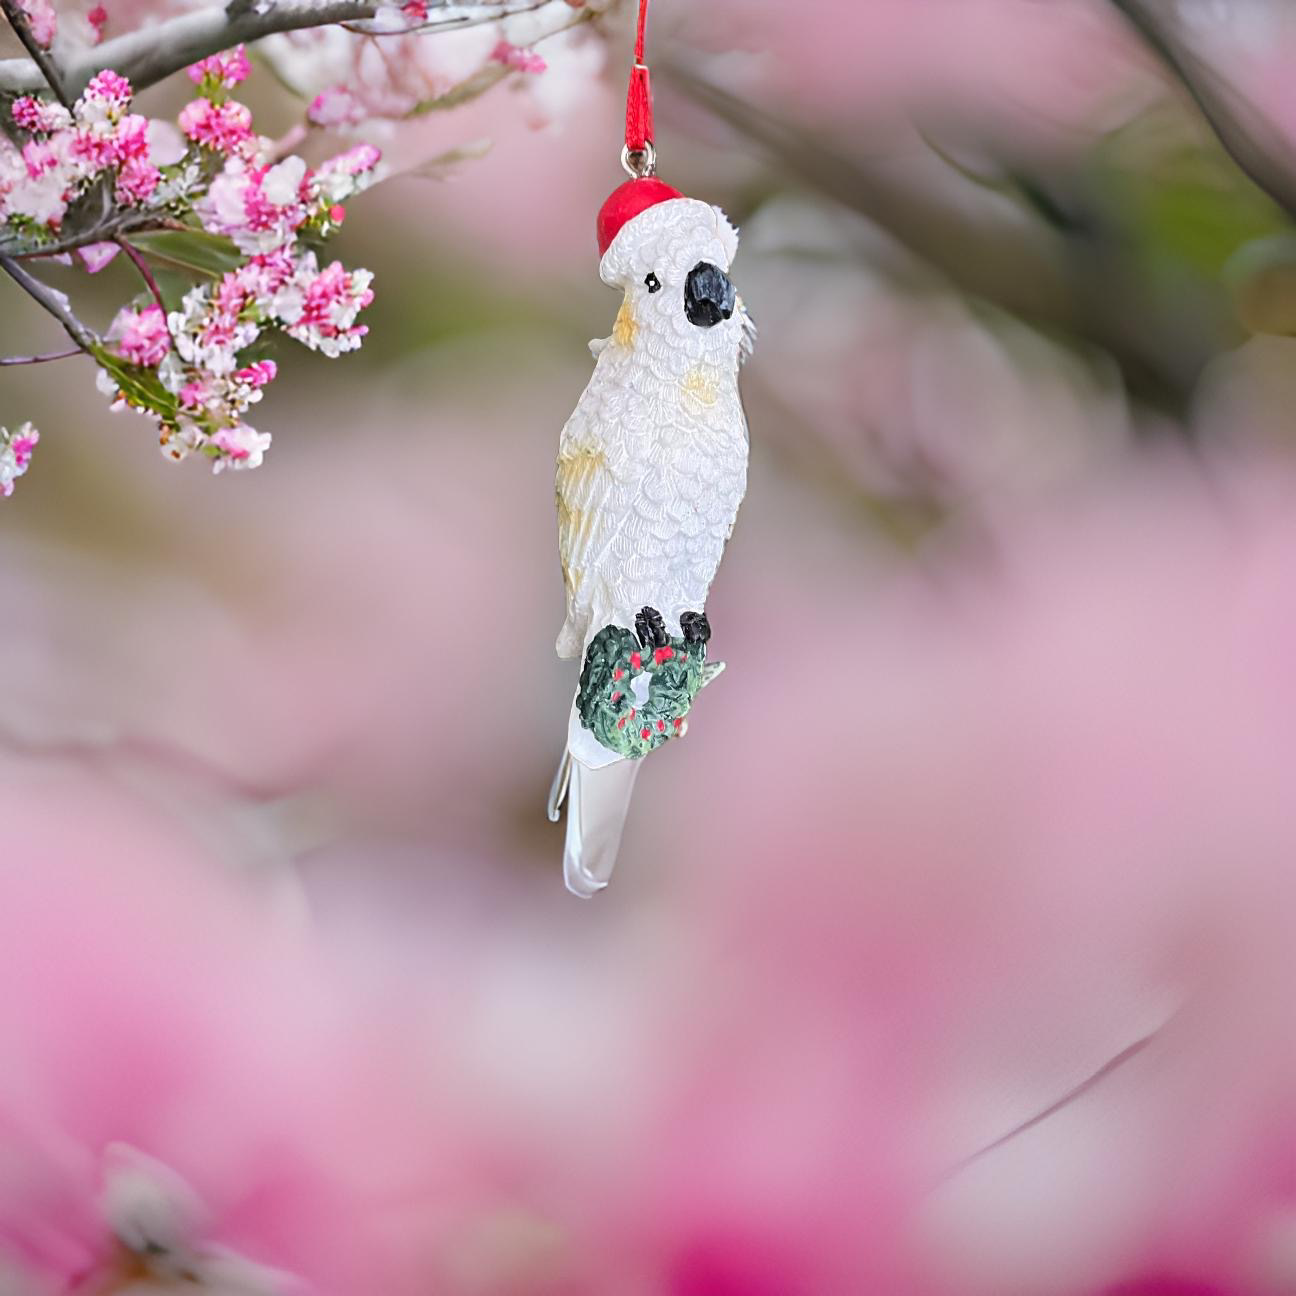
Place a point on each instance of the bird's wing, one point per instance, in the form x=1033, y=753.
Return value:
x=586, y=487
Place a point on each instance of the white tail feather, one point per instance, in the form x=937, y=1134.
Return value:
x=597, y=803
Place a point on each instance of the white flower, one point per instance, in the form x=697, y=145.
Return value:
x=288, y=304
x=281, y=183
x=242, y=447
x=42, y=200
x=225, y=206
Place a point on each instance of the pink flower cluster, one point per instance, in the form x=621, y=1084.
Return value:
x=194, y=375
x=222, y=127
x=67, y=152
x=518, y=58
x=263, y=207
x=15, y=455
x=221, y=71
x=336, y=106
x=140, y=336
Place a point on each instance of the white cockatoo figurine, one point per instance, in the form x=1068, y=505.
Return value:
x=652, y=467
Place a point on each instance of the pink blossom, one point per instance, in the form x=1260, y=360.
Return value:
x=518, y=58
x=39, y=156
x=141, y=336
x=41, y=116
x=92, y=147
x=108, y=93
x=260, y=205
x=195, y=393
x=43, y=201
x=347, y=174
x=131, y=138
x=95, y=256
x=41, y=20
x=23, y=445
x=415, y=9
x=98, y=20
x=258, y=373
x=261, y=208
x=335, y=107
x=136, y=181
x=225, y=70
x=240, y=447
x=355, y=161
x=319, y=307
x=15, y=455
x=225, y=128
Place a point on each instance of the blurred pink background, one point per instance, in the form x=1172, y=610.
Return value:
x=953, y=951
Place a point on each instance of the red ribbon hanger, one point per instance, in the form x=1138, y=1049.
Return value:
x=639, y=115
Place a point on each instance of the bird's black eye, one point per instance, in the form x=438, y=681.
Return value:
x=652, y=282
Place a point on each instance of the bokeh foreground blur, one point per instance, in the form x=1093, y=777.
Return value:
x=952, y=954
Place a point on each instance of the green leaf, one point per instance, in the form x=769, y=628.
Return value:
x=193, y=250
x=141, y=387
x=172, y=284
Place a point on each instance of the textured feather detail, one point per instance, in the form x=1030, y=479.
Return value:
x=747, y=345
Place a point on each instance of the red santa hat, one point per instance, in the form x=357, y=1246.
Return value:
x=626, y=202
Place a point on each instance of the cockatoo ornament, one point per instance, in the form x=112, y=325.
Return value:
x=652, y=466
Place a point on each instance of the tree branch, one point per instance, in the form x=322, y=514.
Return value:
x=41, y=359
x=107, y=231
x=1076, y=283
x=41, y=57
x=151, y=53
x=145, y=273
x=1253, y=145
x=52, y=301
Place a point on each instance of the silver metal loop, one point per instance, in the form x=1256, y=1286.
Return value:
x=640, y=162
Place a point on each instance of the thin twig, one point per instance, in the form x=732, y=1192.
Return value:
x=41, y=359
x=107, y=232
x=52, y=302
x=466, y=16
x=1077, y=1092
x=145, y=272
x=40, y=56
x=151, y=53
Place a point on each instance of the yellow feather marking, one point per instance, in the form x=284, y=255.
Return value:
x=697, y=383
x=575, y=469
x=625, y=328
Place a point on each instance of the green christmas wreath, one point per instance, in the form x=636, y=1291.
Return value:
x=633, y=699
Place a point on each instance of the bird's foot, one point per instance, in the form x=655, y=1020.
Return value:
x=695, y=627
x=650, y=628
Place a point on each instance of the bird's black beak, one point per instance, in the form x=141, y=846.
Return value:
x=709, y=297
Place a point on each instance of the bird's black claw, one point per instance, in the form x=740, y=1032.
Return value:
x=695, y=627
x=650, y=628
